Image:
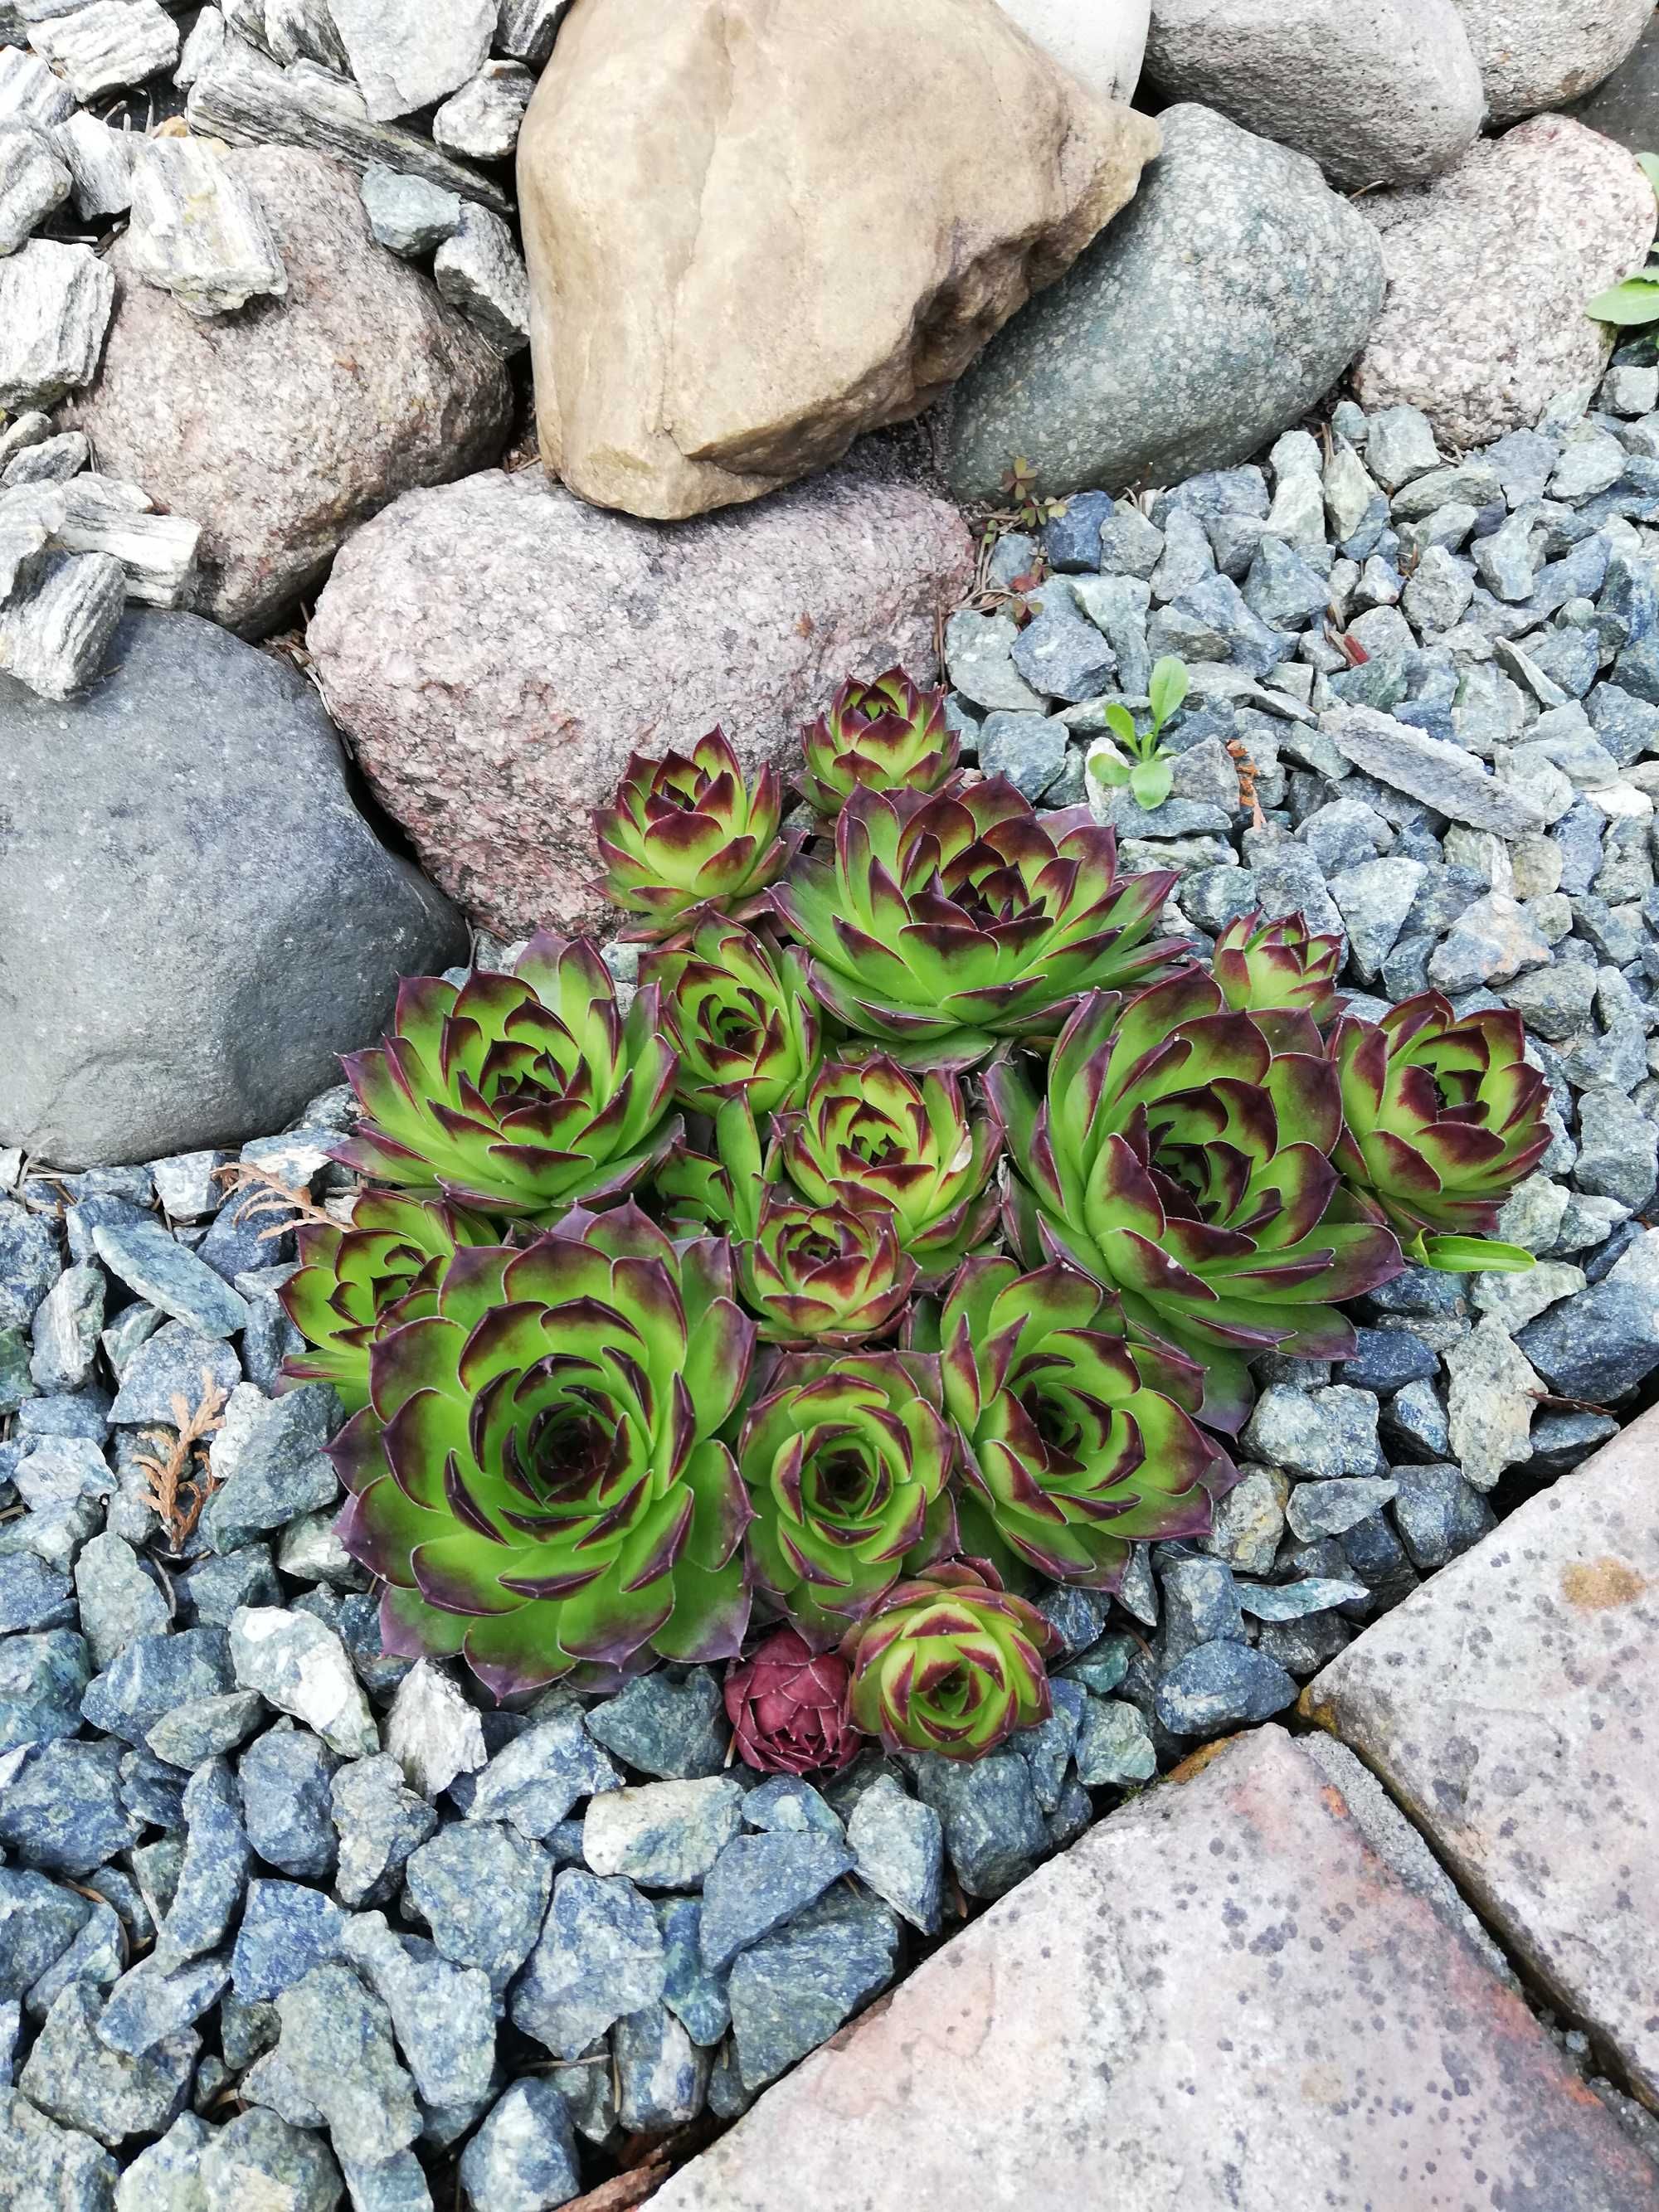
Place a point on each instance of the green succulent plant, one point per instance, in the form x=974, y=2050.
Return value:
x=1182, y=1158
x=517, y=1094
x=539, y=1477
x=949, y=1662
x=886, y=736
x=871, y=1133
x=1266, y=967
x=686, y=833
x=1442, y=1117
x=823, y=1275
x=1140, y=760
x=737, y=1008
x=845, y=1458
x=1077, y=1441
x=350, y=1280
x=946, y=923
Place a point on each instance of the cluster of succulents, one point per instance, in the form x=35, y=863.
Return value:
x=896, y=1253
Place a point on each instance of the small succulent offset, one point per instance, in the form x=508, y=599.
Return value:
x=1635, y=301
x=1148, y=771
x=885, y=736
x=687, y=833
x=897, y=1253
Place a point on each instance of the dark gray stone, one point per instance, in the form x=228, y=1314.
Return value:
x=154, y=1674
x=1439, y=1514
x=693, y=1993
x=148, y=2004
x=791, y=1992
x=669, y=1724
x=1597, y=1347
x=1165, y=349
x=120, y=1599
x=994, y=1825
x=150, y=1022
x=60, y=1806
x=286, y=1801
x=600, y=1956
x=443, y=2015
x=43, y=1679
x=272, y=1467
x=214, y=1871
x=522, y=2159
x=482, y=1890
x=34, y=1595
x=29, y=1263
x=176, y=1362
x=1222, y=1685
x=760, y=1882
x=206, y=1727
x=286, y=1930
x=155, y=1265
x=533, y=1782
x=212, y=1592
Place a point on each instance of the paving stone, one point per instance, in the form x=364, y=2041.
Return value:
x=1541, y=1802
x=1264, y=1934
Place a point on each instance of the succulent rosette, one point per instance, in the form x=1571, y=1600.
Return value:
x=539, y=1477
x=738, y=1010
x=788, y=1707
x=1076, y=1441
x=845, y=1458
x=1277, y=966
x=517, y=1094
x=1182, y=1158
x=871, y=1133
x=686, y=833
x=886, y=736
x=943, y=924
x=1441, y=1118
x=350, y=1279
x=951, y=1663
x=824, y=1275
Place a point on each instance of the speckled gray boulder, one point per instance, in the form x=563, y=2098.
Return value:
x=1379, y=94
x=1231, y=292
x=197, y=918
x=1542, y=54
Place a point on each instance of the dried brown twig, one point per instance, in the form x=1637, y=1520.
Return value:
x=177, y=1484
x=260, y=1191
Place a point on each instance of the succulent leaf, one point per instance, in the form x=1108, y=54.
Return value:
x=845, y=1458
x=539, y=1477
x=516, y=1094
x=886, y=736
x=738, y=1010
x=350, y=1280
x=824, y=1275
x=1277, y=966
x=945, y=923
x=1443, y=1117
x=686, y=833
x=871, y=1135
x=1077, y=1441
x=949, y=1662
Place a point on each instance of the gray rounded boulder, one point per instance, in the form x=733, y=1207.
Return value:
x=1231, y=292
x=194, y=920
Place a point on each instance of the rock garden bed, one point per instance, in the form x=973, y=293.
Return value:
x=468, y=1752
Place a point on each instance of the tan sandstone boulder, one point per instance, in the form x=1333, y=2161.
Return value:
x=756, y=228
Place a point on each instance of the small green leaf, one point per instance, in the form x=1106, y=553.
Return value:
x=1106, y=768
x=1150, y=781
x=1635, y=301
x=1649, y=165
x=1169, y=687
x=1469, y=1256
x=1121, y=723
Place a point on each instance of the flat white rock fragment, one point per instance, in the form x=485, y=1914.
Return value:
x=100, y=162
x=204, y=42
x=55, y=305
x=32, y=181
x=304, y=31
x=29, y=93
x=56, y=627
x=198, y=232
x=482, y=120
x=481, y=271
x=111, y=44
x=408, y=54
x=300, y=1666
x=157, y=552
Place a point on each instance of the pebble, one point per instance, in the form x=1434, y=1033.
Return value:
x=300, y=1666
x=1221, y=1685
x=380, y=1821
x=482, y=1890
x=667, y=1834
x=152, y=1675
x=669, y=1723
x=522, y=2159
x=794, y=1989
x=898, y=1848
x=443, y=2015
x=269, y=1462
x=600, y=1955
x=77, y=2080
x=1492, y=1395
x=198, y=231
x=1330, y=1508
x=286, y=1801
x=759, y=1883
x=481, y=121
x=286, y=1930
x=1439, y=1514
x=480, y=270
x=409, y=214
x=1319, y=1433
x=213, y=1871
x=533, y=1781
x=338, y=2052
x=259, y=2157
x=994, y=1825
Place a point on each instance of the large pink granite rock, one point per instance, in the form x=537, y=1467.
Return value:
x=1508, y=1704
x=496, y=649
x=1219, y=1998
x=279, y=428
x=1488, y=270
